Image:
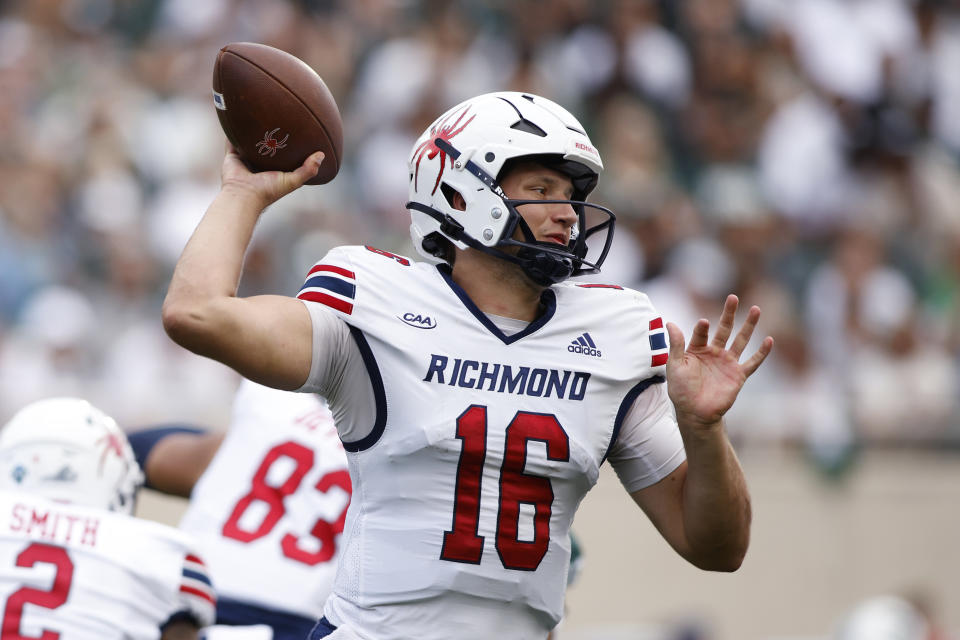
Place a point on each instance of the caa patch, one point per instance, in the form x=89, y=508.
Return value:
x=418, y=321
x=658, y=343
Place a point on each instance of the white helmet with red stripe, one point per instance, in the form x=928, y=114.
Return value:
x=466, y=151
x=68, y=450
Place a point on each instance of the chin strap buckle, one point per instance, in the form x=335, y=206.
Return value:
x=451, y=228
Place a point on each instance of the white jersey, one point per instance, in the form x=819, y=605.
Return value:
x=268, y=511
x=77, y=573
x=483, y=444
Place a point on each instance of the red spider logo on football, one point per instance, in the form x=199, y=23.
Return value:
x=269, y=145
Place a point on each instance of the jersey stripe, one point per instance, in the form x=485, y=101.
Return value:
x=330, y=301
x=658, y=342
x=196, y=581
x=332, y=269
x=198, y=592
x=332, y=290
x=600, y=286
x=344, y=288
x=198, y=576
x=194, y=568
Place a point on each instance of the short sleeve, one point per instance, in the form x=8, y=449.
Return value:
x=331, y=348
x=648, y=447
x=197, y=597
x=339, y=374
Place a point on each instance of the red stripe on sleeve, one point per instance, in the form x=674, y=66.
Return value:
x=656, y=323
x=330, y=301
x=333, y=269
x=659, y=359
x=193, y=558
x=200, y=594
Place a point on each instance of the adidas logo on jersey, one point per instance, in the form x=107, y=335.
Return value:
x=585, y=345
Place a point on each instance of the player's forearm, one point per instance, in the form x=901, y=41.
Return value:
x=211, y=263
x=716, y=501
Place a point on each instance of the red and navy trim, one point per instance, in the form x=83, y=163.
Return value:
x=196, y=580
x=330, y=285
x=659, y=349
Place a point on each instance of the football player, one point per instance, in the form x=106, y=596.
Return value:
x=74, y=563
x=268, y=501
x=477, y=393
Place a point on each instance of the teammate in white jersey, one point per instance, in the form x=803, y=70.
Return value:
x=477, y=394
x=268, y=501
x=74, y=564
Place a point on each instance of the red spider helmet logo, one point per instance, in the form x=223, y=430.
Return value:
x=111, y=444
x=445, y=131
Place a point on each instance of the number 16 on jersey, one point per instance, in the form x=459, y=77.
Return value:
x=463, y=543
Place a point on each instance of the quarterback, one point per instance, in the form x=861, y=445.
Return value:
x=478, y=392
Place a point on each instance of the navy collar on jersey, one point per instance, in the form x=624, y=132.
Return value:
x=548, y=299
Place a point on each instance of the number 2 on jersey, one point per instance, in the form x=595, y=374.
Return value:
x=51, y=598
x=462, y=543
x=273, y=496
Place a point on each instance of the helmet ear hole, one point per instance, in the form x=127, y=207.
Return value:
x=453, y=197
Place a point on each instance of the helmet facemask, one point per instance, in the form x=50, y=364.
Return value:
x=547, y=263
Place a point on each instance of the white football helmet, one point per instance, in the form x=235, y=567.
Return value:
x=883, y=618
x=465, y=151
x=66, y=449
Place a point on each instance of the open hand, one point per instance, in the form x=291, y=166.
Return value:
x=266, y=186
x=704, y=380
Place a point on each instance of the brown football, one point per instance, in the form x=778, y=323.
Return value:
x=276, y=110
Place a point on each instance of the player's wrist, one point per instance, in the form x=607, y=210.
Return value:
x=699, y=424
x=244, y=197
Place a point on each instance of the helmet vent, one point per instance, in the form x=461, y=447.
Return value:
x=525, y=125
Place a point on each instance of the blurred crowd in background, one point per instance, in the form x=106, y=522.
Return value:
x=805, y=155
